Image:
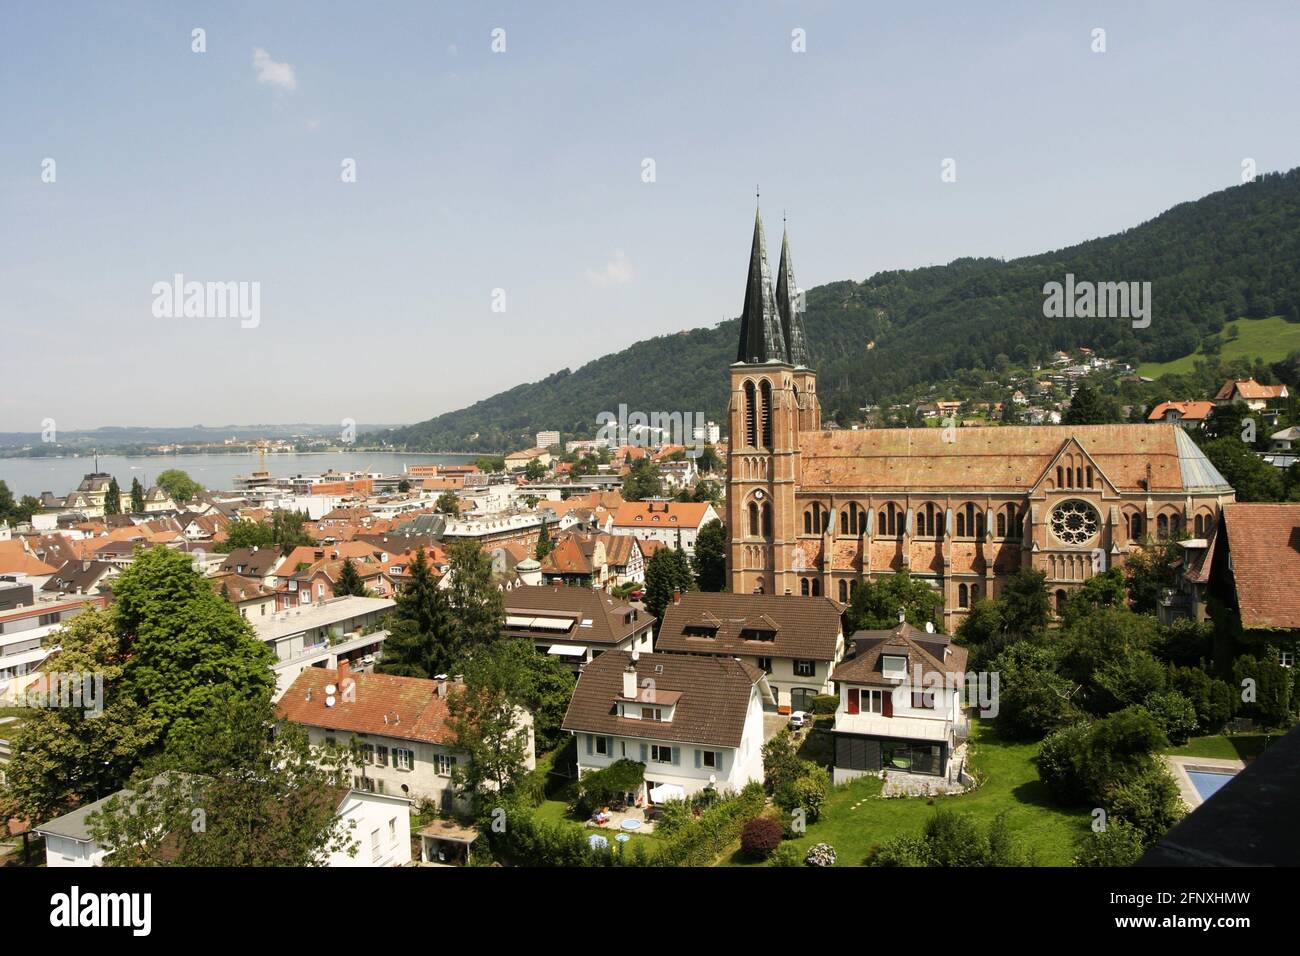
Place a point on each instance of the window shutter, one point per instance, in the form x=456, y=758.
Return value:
x=609, y=747
x=590, y=747
x=698, y=760
x=853, y=700
x=889, y=703
x=677, y=756
x=644, y=753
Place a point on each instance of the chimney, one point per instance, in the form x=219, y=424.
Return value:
x=442, y=688
x=629, y=680
x=902, y=615
x=677, y=597
x=345, y=669
x=85, y=565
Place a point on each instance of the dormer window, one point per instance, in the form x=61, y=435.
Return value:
x=757, y=634
x=894, y=665
x=700, y=630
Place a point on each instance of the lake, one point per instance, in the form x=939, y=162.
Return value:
x=31, y=476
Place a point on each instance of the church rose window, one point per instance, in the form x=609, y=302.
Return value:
x=1075, y=522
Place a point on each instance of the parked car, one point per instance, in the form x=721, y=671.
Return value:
x=638, y=594
x=799, y=719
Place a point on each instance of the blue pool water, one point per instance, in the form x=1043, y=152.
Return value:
x=1208, y=783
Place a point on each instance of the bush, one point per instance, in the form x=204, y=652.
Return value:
x=781, y=764
x=1174, y=713
x=807, y=793
x=902, y=850
x=787, y=854
x=1031, y=694
x=825, y=704
x=1117, y=845
x=954, y=839
x=1272, y=682
x=1212, y=699
x=1060, y=763
x=1147, y=801
x=760, y=836
x=1118, y=748
x=822, y=854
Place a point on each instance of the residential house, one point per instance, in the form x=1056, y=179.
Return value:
x=675, y=523
x=320, y=635
x=796, y=641
x=398, y=725
x=519, y=460
x=1189, y=414
x=250, y=596
x=901, y=703
x=695, y=722
x=1248, y=391
x=24, y=626
x=576, y=625
x=79, y=577
x=255, y=562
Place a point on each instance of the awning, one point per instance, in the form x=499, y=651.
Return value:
x=667, y=791
x=514, y=621
x=552, y=623
x=567, y=650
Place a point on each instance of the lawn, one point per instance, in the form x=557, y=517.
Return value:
x=557, y=811
x=1271, y=339
x=854, y=820
x=1223, y=747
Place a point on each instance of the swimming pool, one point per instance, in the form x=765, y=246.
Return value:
x=1208, y=782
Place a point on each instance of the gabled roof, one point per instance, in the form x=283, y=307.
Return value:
x=594, y=617
x=807, y=628
x=256, y=562
x=76, y=576
x=934, y=654
x=661, y=514
x=1264, y=542
x=408, y=708
x=1186, y=411
x=1248, y=388
x=714, y=702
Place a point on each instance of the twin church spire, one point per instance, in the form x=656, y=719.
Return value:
x=771, y=325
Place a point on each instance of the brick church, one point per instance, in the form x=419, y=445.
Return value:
x=817, y=511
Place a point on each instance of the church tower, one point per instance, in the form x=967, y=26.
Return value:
x=773, y=396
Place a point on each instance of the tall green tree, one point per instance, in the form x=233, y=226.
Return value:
x=487, y=722
x=642, y=480
x=710, y=560
x=875, y=604
x=448, y=503
x=137, y=496
x=1088, y=407
x=178, y=485
x=113, y=498
x=189, y=649
x=349, y=582
x=667, y=572
x=544, y=543
x=418, y=626
x=1250, y=476
x=16, y=512
x=478, y=609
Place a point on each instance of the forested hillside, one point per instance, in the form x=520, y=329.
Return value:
x=1234, y=253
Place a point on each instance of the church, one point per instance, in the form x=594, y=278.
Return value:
x=817, y=511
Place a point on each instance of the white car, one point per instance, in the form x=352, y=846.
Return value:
x=799, y=720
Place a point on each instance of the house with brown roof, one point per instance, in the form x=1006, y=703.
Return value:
x=674, y=523
x=695, y=722
x=255, y=562
x=900, y=709
x=581, y=559
x=1190, y=414
x=250, y=596
x=398, y=725
x=79, y=577
x=1248, y=391
x=576, y=625
x=796, y=641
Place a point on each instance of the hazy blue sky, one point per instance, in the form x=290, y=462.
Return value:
x=522, y=171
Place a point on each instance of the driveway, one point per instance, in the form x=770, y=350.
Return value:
x=772, y=724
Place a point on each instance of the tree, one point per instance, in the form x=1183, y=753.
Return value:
x=62, y=754
x=667, y=572
x=490, y=464
x=137, y=496
x=242, y=790
x=349, y=582
x=535, y=470
x=1026, y=608
x=1149, y=571
x=1250, y=476
x=417, y=626
x=113, y=498
x=485, y=721
x=403, y=486
x=710, y=560
x=875, y=604
x=16, y=512
x=642, y=481
x=189, y=649
x=1119, y=844
x=178, y=485
x=1087, y=407
x=544, y=543
x=709, y=462
x=1033, y=698
x=478, y=610
x=448, y=503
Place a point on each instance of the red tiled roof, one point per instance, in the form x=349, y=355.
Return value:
x=1264, y=542
x=1192, y=411
x=405, y=707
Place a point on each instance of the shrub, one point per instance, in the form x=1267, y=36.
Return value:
x=954, y=839
x=1272, y=704
x=825, y=703
x=1031, y=694
x=760, y=836
x=781, y=765
x=597, y=788
x=807, y=793
x=822, y=854
x=1117, y=845
x=1212, y=699
x=903, y=850
x=1174, y=713
x=1148, y=801
x=1118, y=748
x=1060, y=763
x=787, y=854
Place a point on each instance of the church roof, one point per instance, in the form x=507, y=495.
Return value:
x=1009, y=458
x=790, y=307
x=761, y=338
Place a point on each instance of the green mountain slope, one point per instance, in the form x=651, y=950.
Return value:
x=1234, y=253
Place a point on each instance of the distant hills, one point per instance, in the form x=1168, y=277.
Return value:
x=1233, y=253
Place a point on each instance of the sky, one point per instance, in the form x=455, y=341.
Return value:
x=502, y=222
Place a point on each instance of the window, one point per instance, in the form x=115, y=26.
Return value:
x=392, y=831
x=873, y=701
x=381, y=756
x=403, y=759
x=367, y=753
x=602, y=746
x=1075, y=522
x=660, y=754
x=444, y=762
x=652, y=713
x=1286, y=658
x=923, y=699
x=374, y=846
x=710, y=759
x=804, y=668
x=765, y=664
x=963, y=598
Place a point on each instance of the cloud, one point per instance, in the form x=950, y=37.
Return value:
x=272, y=73
x=615, y=272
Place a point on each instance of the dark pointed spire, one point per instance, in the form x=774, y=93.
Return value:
x=790, y=305
x=761, y=339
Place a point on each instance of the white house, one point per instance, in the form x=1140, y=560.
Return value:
x=377, y=826
x=399, y=726
x=576, y=624
x=695, y=722
x=323, y=634
x=670, y=522
x=900, y=703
